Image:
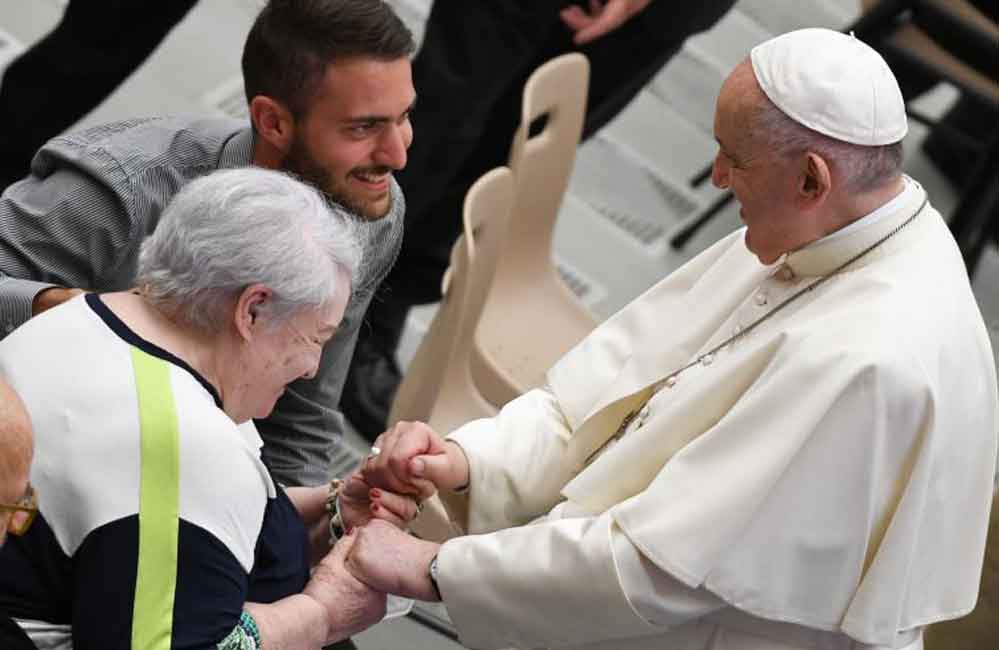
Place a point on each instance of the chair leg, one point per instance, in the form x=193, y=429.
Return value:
x=680, y=239
x=871, y=26
x=702, y=175
x=974, y=250
x=975, y=220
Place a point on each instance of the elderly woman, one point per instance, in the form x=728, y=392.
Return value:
x=158, y=525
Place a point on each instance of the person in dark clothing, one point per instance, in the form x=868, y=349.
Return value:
x=64, y=76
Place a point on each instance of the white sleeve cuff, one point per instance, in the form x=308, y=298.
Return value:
x=655, y=595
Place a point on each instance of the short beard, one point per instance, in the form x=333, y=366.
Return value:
x=300, y=162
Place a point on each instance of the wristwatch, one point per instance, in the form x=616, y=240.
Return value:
x=433, y=578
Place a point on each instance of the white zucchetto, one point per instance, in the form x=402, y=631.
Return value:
x=832, y=83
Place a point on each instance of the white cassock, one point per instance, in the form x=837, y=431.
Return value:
x=823, y=482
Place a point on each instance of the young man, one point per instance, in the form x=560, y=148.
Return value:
x=330, y=91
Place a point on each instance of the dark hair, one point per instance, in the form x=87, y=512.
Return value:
x=292, y=41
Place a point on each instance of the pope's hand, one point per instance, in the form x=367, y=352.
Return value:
x=386, y=559
x=414, y=460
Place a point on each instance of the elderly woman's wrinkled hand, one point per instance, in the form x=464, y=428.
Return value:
x=360, y=503
x=350, y=604
x=387, y=559
x=412, y=459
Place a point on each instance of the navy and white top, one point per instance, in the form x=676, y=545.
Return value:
x=157, y=519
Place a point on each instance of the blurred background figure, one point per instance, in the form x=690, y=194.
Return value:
x=95, y=46
x=470, y=72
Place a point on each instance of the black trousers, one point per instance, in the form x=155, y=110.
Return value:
x=469, y=76
x=95, y=46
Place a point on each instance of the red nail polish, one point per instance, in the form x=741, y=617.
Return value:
x=376, y=494
x=374, y=507
x=350, y=531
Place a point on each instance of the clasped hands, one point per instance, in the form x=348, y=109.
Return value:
x=413, y=464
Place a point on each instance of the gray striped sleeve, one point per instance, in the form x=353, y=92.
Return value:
x=16, y=297
x=62, y=227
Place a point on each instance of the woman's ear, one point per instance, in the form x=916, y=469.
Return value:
x=249, y=310
x=273, y=122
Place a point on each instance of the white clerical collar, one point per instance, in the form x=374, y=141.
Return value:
x=824, y=255
x=911, y=187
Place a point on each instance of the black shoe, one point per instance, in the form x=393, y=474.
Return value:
x=370, y=387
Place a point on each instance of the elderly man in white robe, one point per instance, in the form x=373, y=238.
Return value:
x=790, y=442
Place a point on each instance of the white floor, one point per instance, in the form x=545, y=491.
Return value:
x=630, y=185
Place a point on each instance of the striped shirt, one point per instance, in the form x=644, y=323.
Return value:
x=92, y=196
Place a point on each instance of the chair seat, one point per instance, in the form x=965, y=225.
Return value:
x=512, y=353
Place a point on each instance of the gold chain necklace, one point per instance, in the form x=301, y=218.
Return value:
x=708, y=357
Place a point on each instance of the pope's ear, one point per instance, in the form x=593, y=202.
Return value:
x=273, y=122
x=816, y=179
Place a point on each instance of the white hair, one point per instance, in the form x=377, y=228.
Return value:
x=233, y=228
x=862, y=168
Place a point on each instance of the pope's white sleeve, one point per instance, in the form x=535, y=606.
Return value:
x=657, y=596
x=559, y=582
x=516, y=462
x=654, y=594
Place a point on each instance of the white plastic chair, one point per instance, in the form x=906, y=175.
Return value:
x=438, y=387
x=531, y=318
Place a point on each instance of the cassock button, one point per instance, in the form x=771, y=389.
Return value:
x=707, y=359
x=761, y=299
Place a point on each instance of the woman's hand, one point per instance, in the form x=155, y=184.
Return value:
x=360, y=503
x=386, y=559
x=414, y=460
x=350, y=605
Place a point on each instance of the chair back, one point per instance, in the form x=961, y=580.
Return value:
x=531, y=317
x=437, y=388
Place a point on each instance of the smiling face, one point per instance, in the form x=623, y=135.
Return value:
x=355, y=133
x=762, y=182
x=276, y=355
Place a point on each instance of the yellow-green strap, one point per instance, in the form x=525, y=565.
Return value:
x=159, y=493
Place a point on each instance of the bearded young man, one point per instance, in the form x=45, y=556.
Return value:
x=330, y=91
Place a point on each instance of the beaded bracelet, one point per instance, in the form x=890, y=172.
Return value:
x=333, y=507
x=250, y=627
